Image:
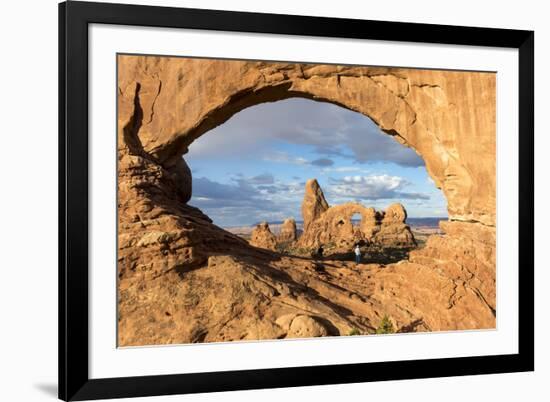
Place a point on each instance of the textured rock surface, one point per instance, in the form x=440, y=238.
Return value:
x=250, y=297
x=182, y=279
x=467, y=254
x=157, y=232
x=393, y=230
x=262, y=237
x=288, y=232
x=314, y=203
x=334, y=225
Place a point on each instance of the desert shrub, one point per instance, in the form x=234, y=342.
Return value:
x=385, y=326
x=284, y=247
x=354, y=331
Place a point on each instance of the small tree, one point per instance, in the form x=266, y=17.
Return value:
x=385, y=326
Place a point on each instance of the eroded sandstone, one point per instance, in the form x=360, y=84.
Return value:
x=332, y=225
x=288, y=233
x=262, y=237
x=313, y=204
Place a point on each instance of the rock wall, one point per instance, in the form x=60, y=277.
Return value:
x=467, y=255
x=157, y=232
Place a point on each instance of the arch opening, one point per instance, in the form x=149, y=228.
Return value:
x=257, y=166
x=356, y=220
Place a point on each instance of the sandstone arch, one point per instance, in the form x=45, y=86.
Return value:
x=336, y=226
x=448, y=117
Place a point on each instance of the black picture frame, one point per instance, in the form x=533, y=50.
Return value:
x=74, y=18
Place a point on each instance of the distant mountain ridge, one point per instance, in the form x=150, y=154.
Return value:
x=432, y=221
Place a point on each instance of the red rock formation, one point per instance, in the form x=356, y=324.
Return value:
x=314, y=203
x=288, y=231
x=334, y=225
x=393, y=231
x=262, y=237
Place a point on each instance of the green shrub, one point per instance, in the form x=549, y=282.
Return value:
x=385, y=326
x=354, y=331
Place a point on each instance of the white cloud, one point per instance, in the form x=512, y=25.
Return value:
x=343, y=169
x=246, y=200
x=283, y=157
x=372, y=187
x=329, y=129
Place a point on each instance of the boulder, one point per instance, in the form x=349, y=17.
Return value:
x=395, y=236
x=304, y=326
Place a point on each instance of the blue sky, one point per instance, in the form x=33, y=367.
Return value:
x=254, y=166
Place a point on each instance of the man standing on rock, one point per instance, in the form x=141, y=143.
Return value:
x=320, y=251
x=357, y=254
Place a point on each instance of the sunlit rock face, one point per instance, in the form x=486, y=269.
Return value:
x=394, y=232
x=164, y=104
x=314, y=203
x=289, y=232
x=262, y=237
x=333, y=225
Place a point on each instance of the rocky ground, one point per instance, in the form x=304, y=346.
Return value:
x=264, y=295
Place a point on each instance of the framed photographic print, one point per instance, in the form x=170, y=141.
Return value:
x=258, y=200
